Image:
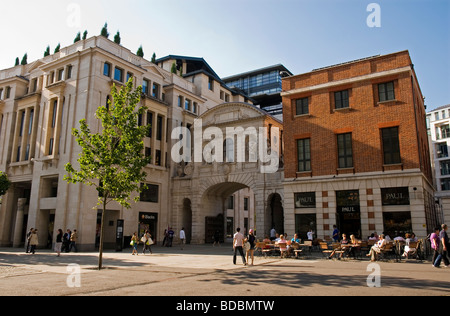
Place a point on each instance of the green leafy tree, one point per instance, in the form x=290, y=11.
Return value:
x=57, y=48
x=17, y=62
x=117, y=39
x=5, y=184
x=154, y=58
x=104, y=31
x=113, y=159
x=140, y=52
x=85, y=34
x=47, y=51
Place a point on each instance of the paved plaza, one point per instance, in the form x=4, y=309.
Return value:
x=204, y=270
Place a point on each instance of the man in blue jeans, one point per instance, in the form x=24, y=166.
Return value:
x=238, y=243
x=443, y=249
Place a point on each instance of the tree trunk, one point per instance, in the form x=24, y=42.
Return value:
x=102, y=229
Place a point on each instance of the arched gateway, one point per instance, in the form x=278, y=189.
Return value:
x=232, y=147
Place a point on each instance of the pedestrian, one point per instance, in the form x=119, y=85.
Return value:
x=273, y=234
x=443, y=248
x=34, y=241
x=147, y=240
x=238, y=243
x=170, y=235
x=182, y=238
x=134, y=243
x=251, y=240
x=28, y=240
x=73, y=241
x=59, y=242
x=216, y=238
x=435, y=242
x=335, y=233
x=66, y=241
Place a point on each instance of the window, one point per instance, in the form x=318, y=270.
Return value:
x=302, y=106
x=159, y=130
x=54, y=110
x=180, y=101
x=391, y=145
x=129, y=76
x=386, y=91
x=445, y=168
x=155, y=91
x=158, y=161
x=187, y=105
x=60, y=74
x=341, y=99
x=150, y=124
x=246, y=204
x=118, y=74
x=230, y=202
x=195, y=107
x=8, y=92
x=442, y=150
x=345, y=153
x=304, y=155
x=69, y=71
x=395, y=196
x=107, y=69
x=145, y=85
x=151, y=194
x=211, y=84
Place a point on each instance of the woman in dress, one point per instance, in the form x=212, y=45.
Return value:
x=134, y=243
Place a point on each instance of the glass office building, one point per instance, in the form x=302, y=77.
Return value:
x=263, y=86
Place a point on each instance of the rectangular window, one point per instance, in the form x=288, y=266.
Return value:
x=386, y=91
x=302, y=106
x=30, y=123
x=55, y=108
x=50, y=147
x=60, y=74
x=211, y=84
x=230, y=202
x=345, y=152
x=150, y=123
x=246, y=204
x=151, y=194
x=391, y=146
x=129, y=76
x=158, y=161
x=187, y=105
x=145, y=85
x=22, y=122
x=304, y=155
x=341, y=99
x=69, y=71
x=159, y=127
x=180, y=101
x=107, y=69
x=395, y=196
x=118, y=74
x=155, y=91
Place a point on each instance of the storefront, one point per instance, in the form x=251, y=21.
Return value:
x=148, y=221
x=348, y=213
x=396, y=211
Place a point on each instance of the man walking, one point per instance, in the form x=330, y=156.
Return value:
x=443, y=248
x=182, y=238
x=238, y=243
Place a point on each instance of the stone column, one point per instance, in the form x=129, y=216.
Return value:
x=18, y=228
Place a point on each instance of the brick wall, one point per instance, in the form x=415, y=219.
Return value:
x=364, y=118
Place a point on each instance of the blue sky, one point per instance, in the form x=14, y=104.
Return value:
x=235, y=36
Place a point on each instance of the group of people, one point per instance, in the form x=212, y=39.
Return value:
x=440, y=244
x=65, y=242
x=240, y=242
x=146, y=240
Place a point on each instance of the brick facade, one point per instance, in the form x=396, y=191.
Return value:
x=365, y=117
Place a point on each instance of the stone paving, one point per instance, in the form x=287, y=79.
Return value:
x=204, y=270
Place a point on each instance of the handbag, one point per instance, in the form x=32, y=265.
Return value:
x=150, y=242
x=247, y=246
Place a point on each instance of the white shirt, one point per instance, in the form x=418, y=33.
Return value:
x=238, y=240
x=182, y=234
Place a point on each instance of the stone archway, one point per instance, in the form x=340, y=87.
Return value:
x=186, y=219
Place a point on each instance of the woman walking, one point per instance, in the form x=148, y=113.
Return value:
x=34, y=241
x=134, y=243
x=59, y=241
x=251, y=240
x=147, y=240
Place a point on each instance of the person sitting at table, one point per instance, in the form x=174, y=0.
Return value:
x=282, y=243
x=344, y=241
x=377, y=248
x=409, y=240
x=295, y=239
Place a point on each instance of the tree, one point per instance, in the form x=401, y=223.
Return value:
x=47, y=51
x=140, y=52
x=85, y=34
x=174, y=68
x=117, y=38
x=113, y=159
x=5, y=184
x=17, y=62
x=77, y=38
x=154, y=58
x=57, y=48
x=24, y=59
x=104, y=31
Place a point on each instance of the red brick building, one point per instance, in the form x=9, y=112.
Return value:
x=356, y=149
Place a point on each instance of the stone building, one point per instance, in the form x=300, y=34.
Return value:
x=356, y=150
x=40, y=104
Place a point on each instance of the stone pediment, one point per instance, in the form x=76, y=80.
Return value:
x=230, y=113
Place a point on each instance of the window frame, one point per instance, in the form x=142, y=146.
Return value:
x=302, y=106
x=391, y=145
x=345, y=152
x=344, y=102
x=383, y=96
x=303, y=161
